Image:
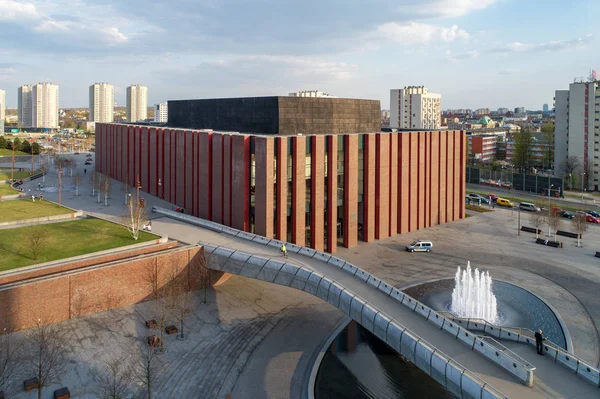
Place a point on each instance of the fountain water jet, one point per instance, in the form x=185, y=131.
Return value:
x=472, y=295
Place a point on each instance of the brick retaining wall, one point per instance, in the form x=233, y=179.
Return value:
x=85, y=288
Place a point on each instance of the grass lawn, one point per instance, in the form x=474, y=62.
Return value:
x=26, y=209
x=6, y=190
x=5, y=174
x=5, y=151
x=477, y=208
x=65, y=239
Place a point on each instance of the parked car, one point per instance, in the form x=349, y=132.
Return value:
x=567, y=214
x=594, y=214
x=420, y=246
x=591, y=219
x=478, y=197
x=527, y=206
x=87, y=163
x=504, y=202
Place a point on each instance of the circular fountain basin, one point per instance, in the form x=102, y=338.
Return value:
x=516, y=306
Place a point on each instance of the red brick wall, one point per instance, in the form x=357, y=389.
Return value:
x=91, y=289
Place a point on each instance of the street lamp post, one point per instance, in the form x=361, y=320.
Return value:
x=549, y=209
x=582, y=178
x=138, y=185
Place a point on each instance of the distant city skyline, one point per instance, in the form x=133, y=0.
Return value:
x=475, y=53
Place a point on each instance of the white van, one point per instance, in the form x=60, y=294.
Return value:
x=420, y=246
x=527, y=206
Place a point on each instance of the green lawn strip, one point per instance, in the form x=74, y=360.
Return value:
x=541, y=203
x=66, y=239
x=6, y=190
x=26, y=209
x=477, y=208
x=5, y=174
x=5, y=151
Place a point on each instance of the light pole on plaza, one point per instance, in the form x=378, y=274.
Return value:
x=138, y=185
x=582, y=178
x=549, y=208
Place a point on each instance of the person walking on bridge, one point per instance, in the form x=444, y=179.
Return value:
x=539, y=342
x=284, y=250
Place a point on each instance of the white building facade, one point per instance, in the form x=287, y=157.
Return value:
x=137, y=103
x=44, y=100
x=414, y=107
x=102, y=102
x=24, y=106
x=38, y=105
x=577, y=130
x=161, y=112
x=310, y=93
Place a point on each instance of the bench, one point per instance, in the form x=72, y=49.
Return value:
x=30, y=384
x=171, y=330
x=62, y=393
x=566, y=234
x=530, y=229
x=151, y=323
x=555, y=244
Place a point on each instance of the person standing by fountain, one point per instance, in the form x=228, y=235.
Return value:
x=539, y=342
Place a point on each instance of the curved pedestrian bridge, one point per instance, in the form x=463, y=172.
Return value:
x=470, y=365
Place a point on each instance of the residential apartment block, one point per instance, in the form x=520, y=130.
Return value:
x=310, y=93
x=137, y=103
x=38, y=105
x=414, y=107
x=161, y=112
x=102, y=102
x=577, y=130
x=482, y=147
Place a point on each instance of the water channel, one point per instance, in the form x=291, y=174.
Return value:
x=358, y=365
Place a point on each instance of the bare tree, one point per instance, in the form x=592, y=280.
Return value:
x=60, y=164
x=554, y=219
x=580, y=225
x=201, y=273
x=47, y=360
x=181, y=300
x=72, y=163
x=126, y=188
x=147, y=368
x=114, y=379
x=106, y=187
x=94, y=182
x=570, y=166
x=77, y=182
x=135, y=218
x=8, y=361
x=537, y=220
x=37, y=240
x=98, y=184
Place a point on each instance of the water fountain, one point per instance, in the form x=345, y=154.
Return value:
x=472, y=295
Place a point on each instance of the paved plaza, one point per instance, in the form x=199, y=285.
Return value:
x=284, y=332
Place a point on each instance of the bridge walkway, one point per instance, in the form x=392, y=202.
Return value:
x=551, y=379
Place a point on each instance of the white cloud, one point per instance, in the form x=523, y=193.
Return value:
x=419, y=33
x=13, y=10
x=452, y=33
x=448, y=8
x=553, y=46
x=466, y=55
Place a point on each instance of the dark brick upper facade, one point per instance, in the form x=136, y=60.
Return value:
x=278, y=115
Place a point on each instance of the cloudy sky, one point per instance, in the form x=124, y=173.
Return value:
x=477, y=53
